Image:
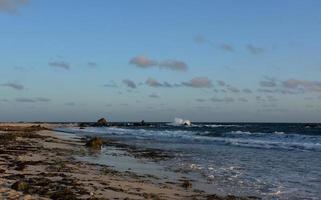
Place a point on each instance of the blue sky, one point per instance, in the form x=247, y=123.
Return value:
x=155, y=60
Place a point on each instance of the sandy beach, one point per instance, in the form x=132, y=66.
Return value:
x=38, y=163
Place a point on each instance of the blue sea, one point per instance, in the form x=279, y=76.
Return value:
x=271, y=161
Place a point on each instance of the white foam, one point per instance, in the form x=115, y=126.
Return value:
x=211, y=177
x=240, y=132
x=181, y=122
x=278, y=132
x=220, y=125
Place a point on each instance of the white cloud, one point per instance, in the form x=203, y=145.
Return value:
x=15, y=86
x=154, y=83
x=130, y=83
x=146, y=62
x=199, y=82
x=12, y=6
x=143, y=62
x=60, y=64
x=254, y=50
x=175, y=65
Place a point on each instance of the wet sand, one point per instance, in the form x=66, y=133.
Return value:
x=38, y=163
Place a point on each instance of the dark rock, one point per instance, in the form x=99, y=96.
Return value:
x=142, y=123
x=20, y=166
x=95, y=143
x=20, y=186
x=101, y=122
x=186, y=184
x=83, y=125
x=64, y=194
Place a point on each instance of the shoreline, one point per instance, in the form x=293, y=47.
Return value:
x=39, y=163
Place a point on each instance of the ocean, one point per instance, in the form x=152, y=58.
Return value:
x=266, y=160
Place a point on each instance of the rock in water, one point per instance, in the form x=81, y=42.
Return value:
x=101, y=122
x=142, y=123
x=95, y=143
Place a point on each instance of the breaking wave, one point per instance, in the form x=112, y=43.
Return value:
x=274, y=140
x=180, y=122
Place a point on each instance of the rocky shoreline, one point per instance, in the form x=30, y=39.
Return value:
x=37, y=163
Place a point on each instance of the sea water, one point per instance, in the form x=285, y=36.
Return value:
x=271, y=161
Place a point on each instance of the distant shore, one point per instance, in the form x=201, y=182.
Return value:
x=39, y=163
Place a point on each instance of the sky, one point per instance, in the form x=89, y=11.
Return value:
x=126, y=60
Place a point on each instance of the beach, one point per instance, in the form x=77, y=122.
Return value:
x=39, y=163
x=170, y=100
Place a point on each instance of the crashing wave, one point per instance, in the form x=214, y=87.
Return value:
x=181, y=122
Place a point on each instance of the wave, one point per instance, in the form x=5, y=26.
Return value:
x=248, y=133
x=274, y=140
x=240, y=132
x=136, y=132
x=219, y=125
x=180, y=122
x=274, y=144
